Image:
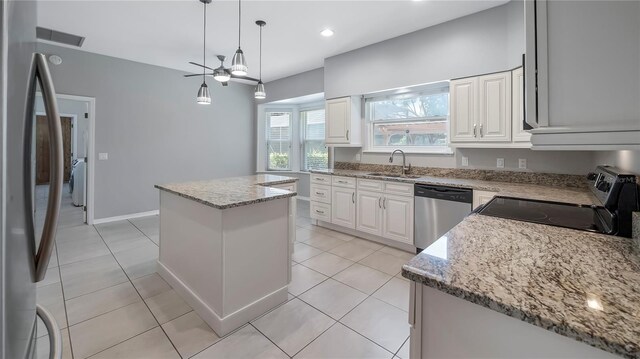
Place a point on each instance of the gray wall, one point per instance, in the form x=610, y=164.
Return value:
x=488, y=41
x=149, y=123
x=302, y=84
x=626, y=160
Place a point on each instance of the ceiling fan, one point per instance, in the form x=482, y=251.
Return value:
x=221, y=74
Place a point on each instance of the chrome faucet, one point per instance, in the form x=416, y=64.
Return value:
x=405, y=169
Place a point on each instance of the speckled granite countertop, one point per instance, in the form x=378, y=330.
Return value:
x=232, y=192
x=577, y=195
x=579, y=284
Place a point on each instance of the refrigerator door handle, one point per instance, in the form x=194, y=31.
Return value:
x=40, y=72
x=55, y=340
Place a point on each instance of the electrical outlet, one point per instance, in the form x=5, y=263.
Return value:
x=522, y=163
x=500, y=163
x=465, y=161
x=102, y=156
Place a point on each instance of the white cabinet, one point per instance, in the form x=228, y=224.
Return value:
x=369, y=212
x=343, y=121
x=494, y=94
x=464, y=110
x=517, y=106
x=343, y=207
x=397, y=222
x=482, y=197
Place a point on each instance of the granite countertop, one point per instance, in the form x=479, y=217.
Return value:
x=579, y=284
x=232, y=192
x=577, y=195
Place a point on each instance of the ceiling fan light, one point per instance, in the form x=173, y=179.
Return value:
x=204, y=97
x=221, y=74
x=260, y=93
x=239, y=64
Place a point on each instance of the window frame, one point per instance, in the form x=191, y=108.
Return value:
x=303, y=133
x=267, y=139
x=370, y=147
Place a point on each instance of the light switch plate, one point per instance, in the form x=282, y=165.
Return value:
x=103, y=156
x=522, y=163
x=465, y=161
x=500, y=163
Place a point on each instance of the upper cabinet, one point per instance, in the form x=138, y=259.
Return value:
x=582, y=74
x=520, y=133
x=483, y=111
x=343, y=122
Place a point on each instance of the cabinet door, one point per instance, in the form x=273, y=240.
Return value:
x=369, y=212
x=482, y=197
x=343, y=207
x=397, y=218
x=463, y=110
x=494, y=92
x=338, y=120
x=517, y=106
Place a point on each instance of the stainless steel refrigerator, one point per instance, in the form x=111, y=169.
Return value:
x=24, y=251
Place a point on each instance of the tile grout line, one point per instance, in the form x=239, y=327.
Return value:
x=64, y=304
x=269, y=339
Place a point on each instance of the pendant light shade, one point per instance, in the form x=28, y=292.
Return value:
x=260, y=93
x=204, y=97
x=239, y=63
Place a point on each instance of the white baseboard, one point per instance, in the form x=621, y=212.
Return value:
x=126, y=216
x=232, y=321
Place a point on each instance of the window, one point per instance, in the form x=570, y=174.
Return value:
x=278, y=140
x=416, y=121
x=315, y=154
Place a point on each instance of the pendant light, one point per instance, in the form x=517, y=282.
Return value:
x=239, y=63
x=221, y=74
x=204, y=97
x=260, y=92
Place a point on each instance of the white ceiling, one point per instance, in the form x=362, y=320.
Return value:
x=169, y=33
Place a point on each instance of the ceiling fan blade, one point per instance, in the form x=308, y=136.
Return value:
x=193, y=75
x=244, y=78
x=197, y=64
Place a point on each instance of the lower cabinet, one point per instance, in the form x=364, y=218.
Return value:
x=343, y=207
x=397, y=218
x=369, y=212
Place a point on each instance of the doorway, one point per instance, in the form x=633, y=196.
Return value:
x=42, y=148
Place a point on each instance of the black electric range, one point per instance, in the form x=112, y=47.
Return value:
x=617, y=193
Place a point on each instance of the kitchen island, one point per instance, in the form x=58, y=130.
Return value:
x=476, y=291
x=225, y=245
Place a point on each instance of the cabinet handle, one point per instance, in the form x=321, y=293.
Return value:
x=319, y=179
x=384, y=203
x=319, y=211
x=481, y=134
x=347, y=135
x=319, y=193
x=345, y=182
x=379, y=202
x=353, y=197
x=474, y=130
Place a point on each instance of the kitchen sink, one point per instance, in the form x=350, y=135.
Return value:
x=394, y=175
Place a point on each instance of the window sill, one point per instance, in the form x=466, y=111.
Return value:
x=443, y=151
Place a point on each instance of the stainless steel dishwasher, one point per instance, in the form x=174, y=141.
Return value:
x=437, y=210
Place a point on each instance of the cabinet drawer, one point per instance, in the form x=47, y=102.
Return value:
x=320, y=193
x=320, y=211
x=349, y=182
x=287, y=186
x=370, y=185
x=321, y=179
x=398, y=188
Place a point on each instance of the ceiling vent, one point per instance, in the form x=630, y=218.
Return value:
x=58, y=36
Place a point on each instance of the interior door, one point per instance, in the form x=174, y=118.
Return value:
x=42, y=148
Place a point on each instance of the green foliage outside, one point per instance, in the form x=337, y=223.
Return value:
x=278, y=160
x=317, y=159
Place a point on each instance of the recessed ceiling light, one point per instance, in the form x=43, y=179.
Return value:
x=326, y=32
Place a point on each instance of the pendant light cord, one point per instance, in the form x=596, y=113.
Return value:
x=261, y=53
x=239, y=20
x=204, y=45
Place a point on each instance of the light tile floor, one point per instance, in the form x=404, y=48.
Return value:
x=347, y=299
